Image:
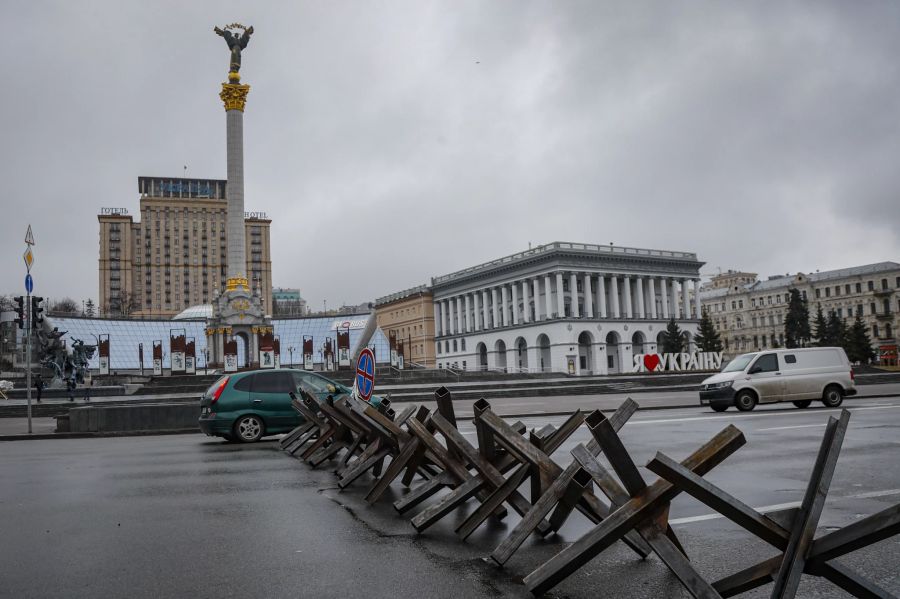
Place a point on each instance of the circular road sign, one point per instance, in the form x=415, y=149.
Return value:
x=29, y=283
x=365, y=374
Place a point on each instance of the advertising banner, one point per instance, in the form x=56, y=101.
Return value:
x=400, y=354
x=277, y=352
x=157, y=357
x=190, y=356
x=343, y=344
x=392, y=344
x=176, y=351
x=230, y=348
x=307, y=352
x=103, y=353
x=266, y=342
x=328, y=352
x=141, y=357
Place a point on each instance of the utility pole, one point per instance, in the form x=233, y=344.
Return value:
x=29, y=260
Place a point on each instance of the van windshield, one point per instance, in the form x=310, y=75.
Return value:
x=738, y=363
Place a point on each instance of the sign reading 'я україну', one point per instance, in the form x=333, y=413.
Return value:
x=677, y=362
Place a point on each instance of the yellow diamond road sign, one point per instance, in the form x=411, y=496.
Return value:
x=29, y=258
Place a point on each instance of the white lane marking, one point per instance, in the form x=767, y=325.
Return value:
x=784, y=428
x=783, y=506
x=766, y=415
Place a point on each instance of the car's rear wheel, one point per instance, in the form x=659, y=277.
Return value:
x=803, y=403
x=833, y=396
x=718, y=407
x=745, y=401
x=249, y=428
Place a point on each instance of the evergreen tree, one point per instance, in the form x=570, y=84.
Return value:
x=708, y=337
x=835, y=331
x=859, y=345
x=796, y=321
x=89, y=309
x=673, y=339
x=821, y=326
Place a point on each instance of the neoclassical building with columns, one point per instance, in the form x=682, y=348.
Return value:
x=564, y=307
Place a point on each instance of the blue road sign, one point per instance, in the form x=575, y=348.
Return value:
x=365, y=374
x=29, y=283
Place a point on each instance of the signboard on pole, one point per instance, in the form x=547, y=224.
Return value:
x=230, y=348
x=266, y=343
x=103, y=353
x=176, y=351
x=343, y=344
x=307, y=352
x=157, y=357
x=365, y=374
x=190, y=356
x=400, y=354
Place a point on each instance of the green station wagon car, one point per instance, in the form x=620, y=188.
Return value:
x=245, y=406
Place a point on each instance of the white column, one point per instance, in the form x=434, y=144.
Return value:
x=673, y=295
x=547, y=310
x=573, y=293
x=496, y=307
x=526, y=308
x=468, y=317
x=652, y=287
x=629, y=306
x=664, y=297
x=504, y=306
x=685, y=298
x=485, y=307
x=515, y=303
x=438, y=325
x=697, y=312
x=476, y=309
x=640, y=297
x=614, y=296
x=601, y=296
x=588, y=298
x=560, y=298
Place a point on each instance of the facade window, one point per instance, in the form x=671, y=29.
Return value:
x=847, y=289
x=818, y=293
x=753, y=302
x=875, y=331
x=872, y=308
x=462, y=343
x=884, y=284
x=803, y=293
x=741, y=304
x=859, y=287
x=871, y=285
x=840, y=312
x=828, y=292
x=859, y=310
x=733, y=305
x=837, y=290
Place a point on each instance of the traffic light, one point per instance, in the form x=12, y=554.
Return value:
x=36, y=309
x=20, y=311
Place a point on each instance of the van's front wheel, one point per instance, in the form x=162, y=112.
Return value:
x=745, y=401
x=803, y=403
x=833, y=396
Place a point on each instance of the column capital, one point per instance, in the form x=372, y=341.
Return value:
x=234, y=96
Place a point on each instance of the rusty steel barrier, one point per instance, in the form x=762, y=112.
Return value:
x=424, y=446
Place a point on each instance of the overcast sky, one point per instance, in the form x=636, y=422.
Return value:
x=395, y=141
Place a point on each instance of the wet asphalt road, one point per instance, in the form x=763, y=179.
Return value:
x=183, y=515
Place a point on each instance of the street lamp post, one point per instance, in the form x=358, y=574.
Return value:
x=291, y=352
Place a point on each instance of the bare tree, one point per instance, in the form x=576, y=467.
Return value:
x=65, y=306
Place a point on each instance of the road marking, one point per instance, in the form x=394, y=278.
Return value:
x=765, y=415
x=784, y=428
x=783, y=506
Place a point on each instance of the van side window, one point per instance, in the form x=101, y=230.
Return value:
x=245, y=383
x=790, y=359
x=767, y=363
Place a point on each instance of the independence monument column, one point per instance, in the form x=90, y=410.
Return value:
x=238, y=334
x=234, y=96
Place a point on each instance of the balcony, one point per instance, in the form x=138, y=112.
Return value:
x=889, y=315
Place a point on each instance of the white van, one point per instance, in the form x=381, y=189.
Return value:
x=799, y=375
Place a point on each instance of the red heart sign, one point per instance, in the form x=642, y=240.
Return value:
x=651, y=361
